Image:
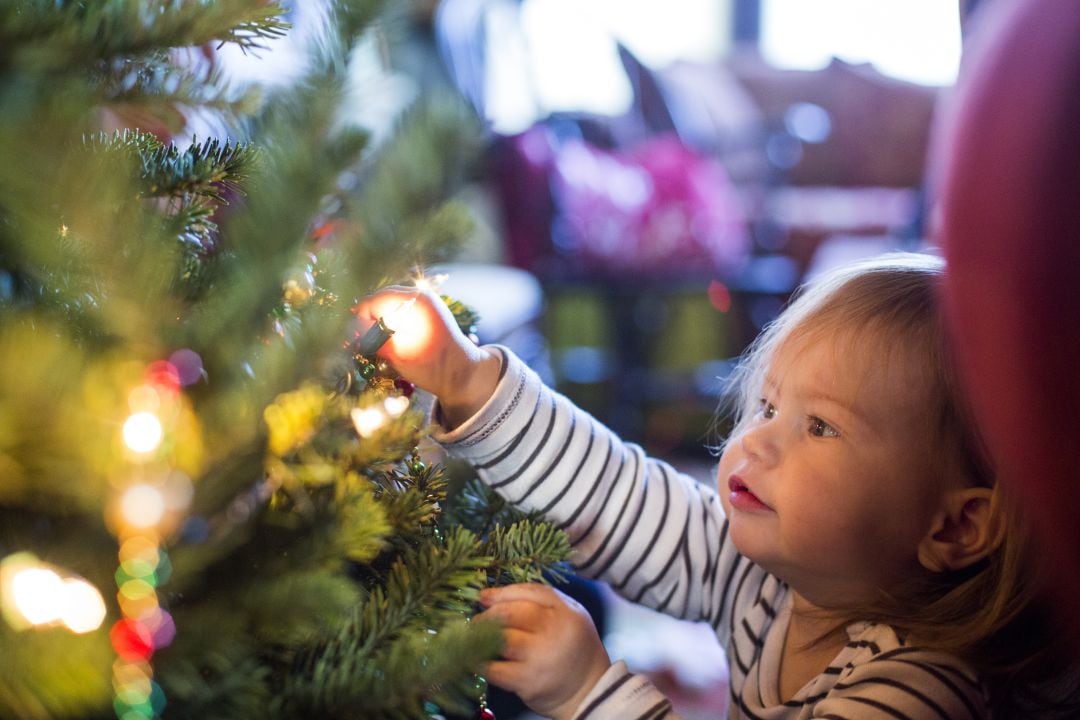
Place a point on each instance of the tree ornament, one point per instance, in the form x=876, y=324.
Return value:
x=407, y=388
x=483, y=712
x=367, y=370
x=297, y=292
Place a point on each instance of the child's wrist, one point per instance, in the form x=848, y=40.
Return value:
x=568, y=710
x=473, y=385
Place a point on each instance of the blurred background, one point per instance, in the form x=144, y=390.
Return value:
x=654, y=180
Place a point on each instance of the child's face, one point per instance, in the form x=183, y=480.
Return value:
x=828, y=486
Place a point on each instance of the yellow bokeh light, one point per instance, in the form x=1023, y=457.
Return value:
x=38, y=595
x=143, y=432
x=139, y=549
x=138, y=608
x=367, y=420
x=84, y=608
x=396, y=405
x=144, y=398
x=142, y=506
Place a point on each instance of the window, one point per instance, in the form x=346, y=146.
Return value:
x=914, y=40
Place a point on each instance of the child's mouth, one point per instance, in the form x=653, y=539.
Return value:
x=741, y=498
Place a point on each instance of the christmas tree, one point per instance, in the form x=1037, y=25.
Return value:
x=212, y=500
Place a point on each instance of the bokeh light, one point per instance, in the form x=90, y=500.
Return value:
x=396, y=405
x=142, y=506
x=84, y=608
x=38, y=595
x=131, y=640
x=143, y=432
x=368, y=420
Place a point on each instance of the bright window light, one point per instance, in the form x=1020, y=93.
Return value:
x=547, y=56
x=914, y=40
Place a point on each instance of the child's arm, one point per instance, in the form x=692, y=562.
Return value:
x=656, y=536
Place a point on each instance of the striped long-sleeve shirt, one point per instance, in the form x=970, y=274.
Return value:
x=661, y=539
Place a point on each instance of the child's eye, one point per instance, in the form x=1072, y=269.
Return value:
x=767, y=410
x=820, y=428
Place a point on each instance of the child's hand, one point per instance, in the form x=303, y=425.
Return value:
x=553, y=655
x=430, y=350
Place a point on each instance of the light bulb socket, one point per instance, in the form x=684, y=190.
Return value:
x=376, y=336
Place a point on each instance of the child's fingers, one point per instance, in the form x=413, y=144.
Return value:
x=518, y=614
x=507, y=675
x=517, y=645
x=532, y=592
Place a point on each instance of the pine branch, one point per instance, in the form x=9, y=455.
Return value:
x=527, y=551
x=69, y=34
x=202, y=169
x=390, y=633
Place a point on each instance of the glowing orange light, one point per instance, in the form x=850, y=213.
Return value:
x=399, y=316
x=412, y=329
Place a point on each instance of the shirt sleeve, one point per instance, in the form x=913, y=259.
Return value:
x=658, y=537
x=621, y=694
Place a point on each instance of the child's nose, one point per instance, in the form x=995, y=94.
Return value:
x=760, y=443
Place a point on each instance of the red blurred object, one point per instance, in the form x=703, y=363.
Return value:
x=719, y=296
x=131, y=640
x=406, y=387
x=1009, y=186
x=164, y=375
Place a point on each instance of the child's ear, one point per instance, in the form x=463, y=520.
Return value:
x=966, y=529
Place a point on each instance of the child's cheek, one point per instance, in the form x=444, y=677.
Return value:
x=723, y=472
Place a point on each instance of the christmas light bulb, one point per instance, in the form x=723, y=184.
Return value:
x=430, y=282
x=396, y=405
x=143, y=432
x=367, y=420
x=142, y=506
x=387, y=325
x=38, y=595
x=412, y=330
x=83, y=608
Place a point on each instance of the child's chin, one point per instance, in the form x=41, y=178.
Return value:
x=751, y=542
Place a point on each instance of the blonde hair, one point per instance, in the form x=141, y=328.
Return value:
x=991, y=614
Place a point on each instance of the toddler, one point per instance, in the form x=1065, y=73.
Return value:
x=855, y=558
